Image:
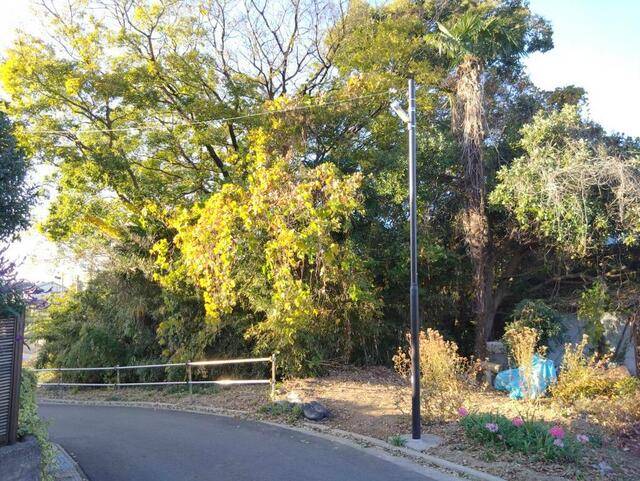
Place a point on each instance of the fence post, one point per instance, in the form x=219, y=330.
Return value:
x=273, y=376
x=189, y=380
x=118, y=377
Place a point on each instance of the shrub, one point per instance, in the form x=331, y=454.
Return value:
x=521, y=342
x=112, y=321
x=536, y=314
x=627, y=386
x=587, y=377
x=29, y=423
x=530, y=437
x=444, y=374
x=594, y=303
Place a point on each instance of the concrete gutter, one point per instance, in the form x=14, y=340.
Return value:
x=423, y=463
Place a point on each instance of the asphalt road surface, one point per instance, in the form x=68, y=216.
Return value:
x=134, y=444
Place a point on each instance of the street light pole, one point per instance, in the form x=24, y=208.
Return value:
x=410, y=119
x=413, y=290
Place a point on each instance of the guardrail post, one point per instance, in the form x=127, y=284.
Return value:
x=189, y=380
x=273, y=376
x=118, y=376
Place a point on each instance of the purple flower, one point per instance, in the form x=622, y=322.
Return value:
x=558, y=442
x=463, y=412
x=582, y=438
x=492, y=427
x=518, y=422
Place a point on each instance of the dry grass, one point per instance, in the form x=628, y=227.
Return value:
x=522, y=342
x=445, y=376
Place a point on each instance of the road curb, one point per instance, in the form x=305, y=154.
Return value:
x=442, y=463
x=66, y=469
x=405, y=457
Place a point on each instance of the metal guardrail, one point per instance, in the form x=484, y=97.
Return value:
x=188, y=365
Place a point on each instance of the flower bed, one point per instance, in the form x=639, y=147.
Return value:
x=528, y=436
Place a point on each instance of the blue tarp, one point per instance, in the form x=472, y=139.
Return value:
x=544, y=373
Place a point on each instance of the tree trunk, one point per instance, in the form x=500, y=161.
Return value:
x=468, y=123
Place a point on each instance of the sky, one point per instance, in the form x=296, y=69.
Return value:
x=597, y=47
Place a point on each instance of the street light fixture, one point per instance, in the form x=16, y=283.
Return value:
x=409, y=118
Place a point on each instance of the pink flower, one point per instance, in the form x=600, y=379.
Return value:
x=463, y=412
x=491, y=427
x=518, y=422
x=582, y=438
x=558, y=442
x=557, y=432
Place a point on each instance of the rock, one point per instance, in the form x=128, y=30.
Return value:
x=497, y=352
x=490, y=369
x=294, y=397
x=314, y=411
x=604, y=468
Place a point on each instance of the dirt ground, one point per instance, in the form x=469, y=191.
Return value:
x=374, y=401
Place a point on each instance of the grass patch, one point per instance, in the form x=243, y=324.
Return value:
x=397, y=440
x=291, y=411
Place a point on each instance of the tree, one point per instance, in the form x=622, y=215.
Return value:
x=170, y=121
x=570, y=189
x=16, y=199
x=16, y=195
x=112, y=321
x=575, y=193
x=492, y=34
x=276, y=252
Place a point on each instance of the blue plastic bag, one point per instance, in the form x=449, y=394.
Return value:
x=544, y=373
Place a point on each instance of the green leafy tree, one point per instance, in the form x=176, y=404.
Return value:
x=167, y=121
x=125, y=104
x=570, y=188
x=16, y=195
x=595, y=302
x=575, y=193
x=490, y=34
x=112, y=321
x=16, y=199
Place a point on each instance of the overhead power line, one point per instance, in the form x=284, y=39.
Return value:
x=162, y=125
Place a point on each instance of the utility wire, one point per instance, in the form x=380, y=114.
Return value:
x=161, y=125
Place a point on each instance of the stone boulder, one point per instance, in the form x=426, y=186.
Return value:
x=314, y=411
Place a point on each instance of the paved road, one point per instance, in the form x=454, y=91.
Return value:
x=133, y=444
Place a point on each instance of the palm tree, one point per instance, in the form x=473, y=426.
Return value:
x=488, y=34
